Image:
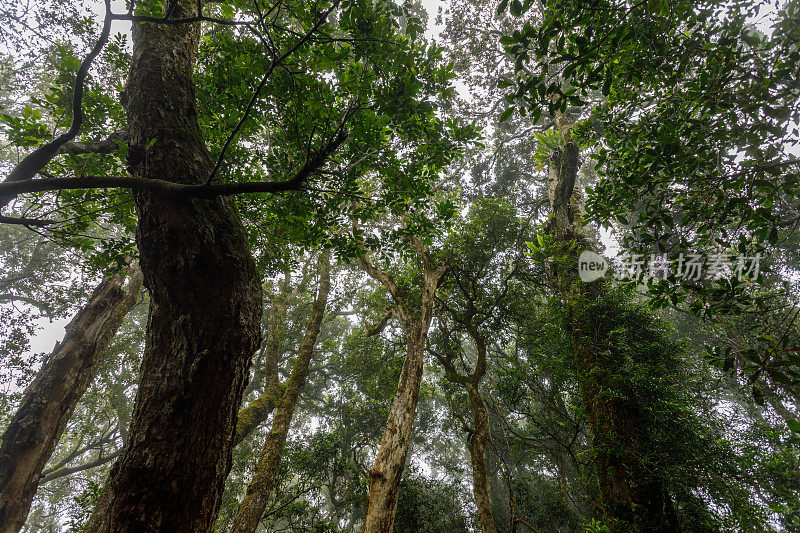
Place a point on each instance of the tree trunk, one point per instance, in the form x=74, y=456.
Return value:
x=260, y=487
x=50, y=400
x=387, y=471
x=479, y=435
x=633, y=498
x=205, y=310
x=477, y=453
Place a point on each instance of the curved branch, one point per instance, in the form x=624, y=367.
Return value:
x=381, y=325
x=171, y=189
x=36, y=160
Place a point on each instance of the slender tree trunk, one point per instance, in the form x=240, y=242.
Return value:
x=479, y=435
x=633, y=497
x=387, y=471
x=477, y=453
x=258, y=491
x=258, y=410
x=50, y=400
x=205, y=310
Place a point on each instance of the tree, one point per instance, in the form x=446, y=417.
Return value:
x=205, y=304
x=48, y=402
x=264, y=478
x=415, y=312
x=203, y=328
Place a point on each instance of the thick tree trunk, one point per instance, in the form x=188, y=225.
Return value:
x=205, y=310
x=258, y=491
x=633, y=497
x=50, y=400
x=387, y=471
x=477, y=453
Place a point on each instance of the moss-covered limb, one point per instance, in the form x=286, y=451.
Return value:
x=50, y=400
x=257, y=411
x=258, y=491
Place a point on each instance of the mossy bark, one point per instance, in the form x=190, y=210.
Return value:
x=263, y=483
x=479, y=435
x=205, y=305
x=634, y=498
x=477, y=445
x=49, y=401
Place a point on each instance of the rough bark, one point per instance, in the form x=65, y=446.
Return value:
x=477, y=452
x=261, y=486
x=479, y=435
x=633, y=497
x=50, y=400
x=387, y=471
x=205, y=310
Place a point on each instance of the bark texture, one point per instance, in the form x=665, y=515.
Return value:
x=50, y=400
x=263, y=483
x=205, y=311
x=477, y=445
x=479, y=434
x=633, y=497
x=387, y=471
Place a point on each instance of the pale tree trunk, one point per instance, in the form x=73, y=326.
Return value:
x=205, y=305
x=263, y=483
x=387, y=471
x=632, y=496
x=50, y=400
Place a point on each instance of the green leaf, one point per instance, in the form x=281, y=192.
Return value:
x=506, y=114
x=607, y=81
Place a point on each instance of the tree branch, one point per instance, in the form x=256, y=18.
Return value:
x=263, y=82
x=381, y=325
x=36, y=160
x=106, y=146
x=174, y=190
x=78, y=468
